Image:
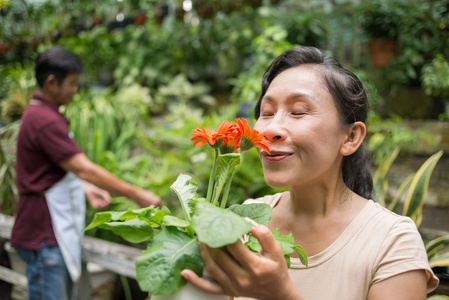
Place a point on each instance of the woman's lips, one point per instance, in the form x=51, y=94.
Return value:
x=275, y=156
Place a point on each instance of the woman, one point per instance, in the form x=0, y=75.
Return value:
x=314, y=112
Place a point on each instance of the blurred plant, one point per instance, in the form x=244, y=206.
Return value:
x=271, y=43
x=423, y=32
x=180, y=90
x=16, y=89
x=9, y=195
x=98, y=49
x=380, y=19
x=435, y=77
x=385, y=135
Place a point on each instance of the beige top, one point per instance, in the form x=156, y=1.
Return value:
x=376, y=245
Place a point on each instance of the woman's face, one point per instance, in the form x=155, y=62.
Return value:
x=299, y=117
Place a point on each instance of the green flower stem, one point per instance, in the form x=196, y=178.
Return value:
x=226, y=190
x=212, y=177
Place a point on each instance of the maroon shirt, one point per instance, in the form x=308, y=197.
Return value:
x=43, y=142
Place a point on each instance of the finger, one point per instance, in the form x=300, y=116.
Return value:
x=219, y=264
x=241, y=254
x=270, y=246
x=225, y=260
x=201, y=283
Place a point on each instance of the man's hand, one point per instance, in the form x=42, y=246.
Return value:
x=145, y=198
x=96, y=196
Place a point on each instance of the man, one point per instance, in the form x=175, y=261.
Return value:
x=53, y=177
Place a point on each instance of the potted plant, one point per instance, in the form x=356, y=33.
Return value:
x=173, y=243
x=381, y=22
x=435, y=80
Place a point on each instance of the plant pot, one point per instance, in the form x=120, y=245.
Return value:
x=382, y=51
x=189, y=292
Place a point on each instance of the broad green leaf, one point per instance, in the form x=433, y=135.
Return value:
x=159, y=266
x=174, y=221
x=226, y=164
x=156, y=217
x=439, y=260
x=185, y=189
x=217, y=227
x=418, y=188
x=99, y=218
x=108, y=216
x=404, y=185
x=134, y=230
x=259, y=212
x=436, y=245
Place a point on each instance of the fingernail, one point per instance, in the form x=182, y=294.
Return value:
x=185, y=275
x=251, y=221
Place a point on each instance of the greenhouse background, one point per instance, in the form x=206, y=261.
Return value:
x=154, y=70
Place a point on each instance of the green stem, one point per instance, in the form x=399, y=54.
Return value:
x=226, y=190
x=217, y=193
x=212, y=178
x=126, y=288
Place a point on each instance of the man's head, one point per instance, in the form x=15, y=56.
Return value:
x=57, y=73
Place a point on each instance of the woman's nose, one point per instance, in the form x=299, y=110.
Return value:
x=275, y=131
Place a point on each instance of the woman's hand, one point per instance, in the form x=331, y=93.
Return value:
x=240, y=272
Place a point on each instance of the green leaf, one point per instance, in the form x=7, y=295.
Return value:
x=439, y=260
x=149, y=213
x=217, y=227
x=160, y=265
x=404, y=185
x=436, y=245
x=259, y=212
x=226, y=164
x=185, y=189
x=287, y=243
x=134, y=230
x=418, y=188
x=155, y=218
x=302, y=255
x=174, y=221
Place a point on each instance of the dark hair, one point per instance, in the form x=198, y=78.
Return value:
x=57, y=61
x=349, y=96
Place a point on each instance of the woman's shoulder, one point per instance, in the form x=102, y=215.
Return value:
x=388, y=218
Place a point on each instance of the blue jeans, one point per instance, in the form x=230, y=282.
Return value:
x=48, y=277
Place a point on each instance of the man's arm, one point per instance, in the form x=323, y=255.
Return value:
x=82, y=167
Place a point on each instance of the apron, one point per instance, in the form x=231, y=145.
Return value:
x=67, y=206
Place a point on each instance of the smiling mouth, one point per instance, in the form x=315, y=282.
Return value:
x=275, y=157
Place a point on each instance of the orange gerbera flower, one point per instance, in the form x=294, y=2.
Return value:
x=230, y=143
x=214, y=138
x=251, y=137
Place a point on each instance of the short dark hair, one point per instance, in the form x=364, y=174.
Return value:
x=57, y=61
x=350, y=98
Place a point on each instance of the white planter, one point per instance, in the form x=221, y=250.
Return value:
x=189, y=292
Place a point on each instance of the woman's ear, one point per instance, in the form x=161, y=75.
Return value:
x=355, y=135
